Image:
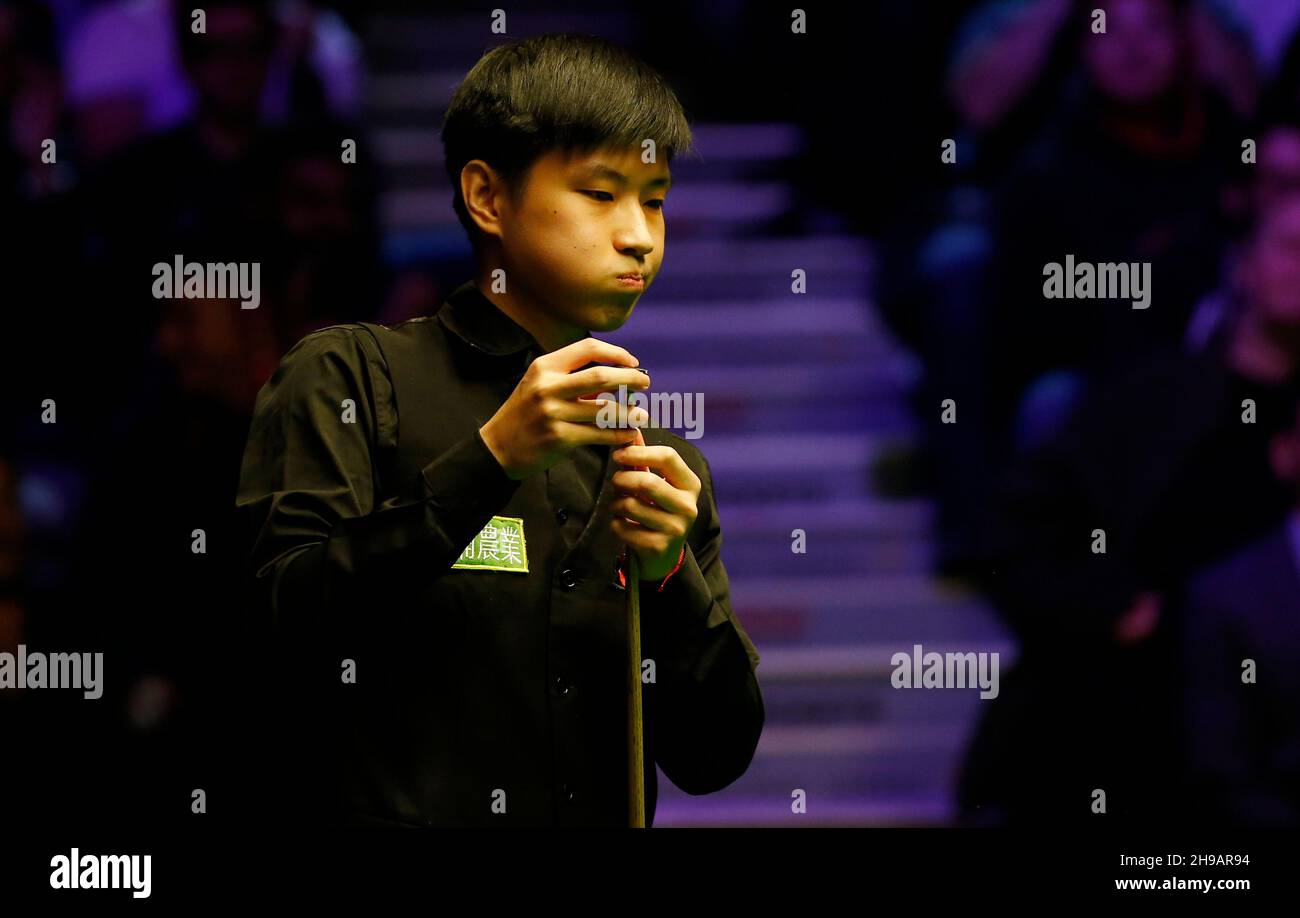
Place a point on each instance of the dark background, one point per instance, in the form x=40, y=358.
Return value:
x=821, y=151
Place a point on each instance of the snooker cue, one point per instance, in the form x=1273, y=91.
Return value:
x=635, y=736
x=636, y=754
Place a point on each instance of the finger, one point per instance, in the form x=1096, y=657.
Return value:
x=638, y=536
x=647, y=486
x=664, y=459
x=581, y=353
x=606, y=412
x=652, y=518
x=598, y=380
x=592, y=435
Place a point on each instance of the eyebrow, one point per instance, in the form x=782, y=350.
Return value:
x=600, y=170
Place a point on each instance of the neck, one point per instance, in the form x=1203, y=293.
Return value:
x=527, y=313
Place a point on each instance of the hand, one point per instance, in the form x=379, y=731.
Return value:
x=655, y=513
x=1140, y=620
x=548, y=414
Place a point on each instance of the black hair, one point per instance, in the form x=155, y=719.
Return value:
x=557, y=91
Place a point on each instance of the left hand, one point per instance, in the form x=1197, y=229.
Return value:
x=654, y=514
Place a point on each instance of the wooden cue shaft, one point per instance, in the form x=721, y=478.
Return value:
x=635, y=751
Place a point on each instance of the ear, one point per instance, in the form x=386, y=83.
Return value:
x=485, y=194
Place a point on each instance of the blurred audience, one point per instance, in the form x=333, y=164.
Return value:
x=1074, y=415
x=1012, y=59
x=1129, y=164
x=221, y=146
x=1239, y=655
x=323, y=261
x=313, y=69
x=184, y=647
x=1168, y=461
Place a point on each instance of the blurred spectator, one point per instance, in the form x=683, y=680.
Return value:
x=200, y=179
x=40, y=223
x=31, y=107
x=1130, y=168
x=322, y=251
x=1163, y=460
x=198, y=175
x=1277, y=171
x=1132, y=171
x=1272, y=179
x=279, y=196
x=53, y=774
x=120, y=97
x=1244, y=736
x=1013, y=60
x=313, y=70
x=316, y=69
x=183, y=644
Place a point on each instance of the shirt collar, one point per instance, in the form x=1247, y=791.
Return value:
x=482, y=325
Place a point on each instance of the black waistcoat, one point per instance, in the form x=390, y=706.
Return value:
x=493, y=687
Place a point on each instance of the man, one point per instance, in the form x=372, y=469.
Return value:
x=438, y=513
x=1169, y=463
x=1240, y=648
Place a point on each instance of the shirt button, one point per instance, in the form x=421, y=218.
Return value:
x=562, y=515
x=568, y=579
x=561, y=687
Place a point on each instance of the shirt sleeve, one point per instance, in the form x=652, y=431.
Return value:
x=707, y=711
x=319, y=544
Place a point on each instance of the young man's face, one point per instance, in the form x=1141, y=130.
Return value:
x=582, y=221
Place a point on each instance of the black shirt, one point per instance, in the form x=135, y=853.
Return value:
x=481, y=697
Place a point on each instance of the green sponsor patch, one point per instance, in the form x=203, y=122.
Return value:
x=499, y=547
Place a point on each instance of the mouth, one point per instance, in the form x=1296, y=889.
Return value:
x=634, y=279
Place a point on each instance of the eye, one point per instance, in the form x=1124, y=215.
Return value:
x=608, y=196
x=657, y=203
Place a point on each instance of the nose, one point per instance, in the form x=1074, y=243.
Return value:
x=633, y=236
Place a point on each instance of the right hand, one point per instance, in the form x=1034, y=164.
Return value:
x=548, y=414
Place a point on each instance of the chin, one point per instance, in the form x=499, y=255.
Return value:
x=611, y=318
x=609, y=324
